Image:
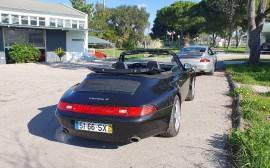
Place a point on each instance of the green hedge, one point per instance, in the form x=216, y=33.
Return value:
x=24, y=52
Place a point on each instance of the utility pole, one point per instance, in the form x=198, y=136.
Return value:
x=104, y=4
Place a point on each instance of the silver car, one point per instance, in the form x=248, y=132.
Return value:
x=200, y=57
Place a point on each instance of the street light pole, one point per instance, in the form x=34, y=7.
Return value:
x=104, y=4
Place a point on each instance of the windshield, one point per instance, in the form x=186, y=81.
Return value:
x=193, y=49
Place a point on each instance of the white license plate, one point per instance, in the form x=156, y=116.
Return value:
x=93, y=127
x=265, y=48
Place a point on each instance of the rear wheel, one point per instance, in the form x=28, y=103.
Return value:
x=174, y=125
x=191, y=92
x=213, y=70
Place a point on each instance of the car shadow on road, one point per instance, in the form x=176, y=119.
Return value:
x=45, y=125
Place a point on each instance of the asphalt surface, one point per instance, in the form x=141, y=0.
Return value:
x=32, y=137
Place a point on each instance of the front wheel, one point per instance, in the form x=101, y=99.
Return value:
x=174, y=125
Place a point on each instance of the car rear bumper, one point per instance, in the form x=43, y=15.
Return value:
x=124, y=128
x=203, y=67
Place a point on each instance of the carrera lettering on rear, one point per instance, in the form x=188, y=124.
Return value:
x=98, y=99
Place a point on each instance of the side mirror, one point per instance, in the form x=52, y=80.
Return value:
x=187, y=66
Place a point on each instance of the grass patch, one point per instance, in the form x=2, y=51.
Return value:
x=253, y=145
x=253, y=74
x=233, y=49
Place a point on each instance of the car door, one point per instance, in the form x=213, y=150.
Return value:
x=182, y=76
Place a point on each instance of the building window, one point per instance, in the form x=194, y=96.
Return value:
x=32, y=36
x=60, y=23
x=14, y=19
x=41, y=21
x=52, y=22
x=81, y=24
x=68, y=23
x=24, y=20
x=36, y=37
x=74, y=24
x=33, y=21
x=5, y=18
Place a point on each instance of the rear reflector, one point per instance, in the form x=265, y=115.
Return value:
x=204, y=60
x=107, y=110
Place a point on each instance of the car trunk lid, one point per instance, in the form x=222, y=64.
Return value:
x=190, y=57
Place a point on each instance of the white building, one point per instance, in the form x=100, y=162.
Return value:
x=46, y=25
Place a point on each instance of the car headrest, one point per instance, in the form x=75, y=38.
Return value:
x=152, y=64
x=120, y=65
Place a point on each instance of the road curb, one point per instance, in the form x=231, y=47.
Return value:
x=238, y=114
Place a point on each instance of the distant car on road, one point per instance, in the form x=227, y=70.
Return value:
x=202, y=58
x=97, y=54
x=265, y=48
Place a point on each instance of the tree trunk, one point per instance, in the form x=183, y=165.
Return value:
x=237, y=39
x=255, y=26
x=230, y=36
x=214, y=38
x=254, y=43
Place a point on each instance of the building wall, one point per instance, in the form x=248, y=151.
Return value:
x=2, y=50
x=54, y=40
x=76, y=45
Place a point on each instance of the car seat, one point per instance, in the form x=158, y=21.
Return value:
x=152, y=65
x=120, y=65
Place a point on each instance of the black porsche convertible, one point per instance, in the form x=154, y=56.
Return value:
x=136, y=97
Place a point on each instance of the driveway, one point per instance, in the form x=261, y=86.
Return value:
x=32, y=137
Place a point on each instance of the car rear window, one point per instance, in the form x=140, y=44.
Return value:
x=109, y=85
x=193, y=49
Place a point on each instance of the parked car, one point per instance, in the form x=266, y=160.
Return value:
x=130, y=100
x=200, y=57
x=265, y=48
x=97, y=54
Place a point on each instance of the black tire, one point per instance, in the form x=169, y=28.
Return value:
x=191, y=92
x=173, y=130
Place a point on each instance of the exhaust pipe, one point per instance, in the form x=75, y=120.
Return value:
x=65, y=131
x=135, y=139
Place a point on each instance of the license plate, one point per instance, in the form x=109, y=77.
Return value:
x=93, y=127
x=265, y=48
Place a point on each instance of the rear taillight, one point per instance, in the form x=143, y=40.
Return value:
x=204, y=60
x=107, y=110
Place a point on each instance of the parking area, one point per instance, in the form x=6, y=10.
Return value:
x=32, y=137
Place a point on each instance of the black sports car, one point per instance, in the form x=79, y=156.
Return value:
x=138, y=96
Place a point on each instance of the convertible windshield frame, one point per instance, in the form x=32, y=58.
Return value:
x=147, y=71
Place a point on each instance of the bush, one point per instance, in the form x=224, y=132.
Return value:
x=60, y=52
x=129, y=44
x=24, y=52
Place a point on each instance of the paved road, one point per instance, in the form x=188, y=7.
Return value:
x=32, y=137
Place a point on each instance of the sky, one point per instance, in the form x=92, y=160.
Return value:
x=151, y=5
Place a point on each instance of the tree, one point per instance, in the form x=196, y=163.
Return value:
x=215, y=21
x=176, y=17
x=235, y=14
x=255, y=25
x=82, y=6
x=127, y=21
